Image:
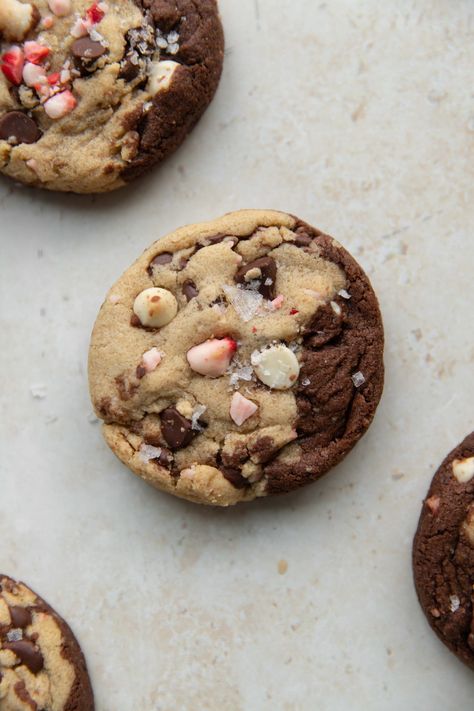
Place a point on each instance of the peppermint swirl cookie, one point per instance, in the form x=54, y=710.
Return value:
x=42, y=667
x=443, y=552
x=238, y=358
x=92, y=94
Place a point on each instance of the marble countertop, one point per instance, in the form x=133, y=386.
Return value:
x=357, y=116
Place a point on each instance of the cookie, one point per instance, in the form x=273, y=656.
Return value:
x=238, y=358
x=443, y=552
x=93, y=94
x=42, y=667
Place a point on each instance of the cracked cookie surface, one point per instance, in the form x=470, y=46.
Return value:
x=237, y=358
x=443, y=552
x=42, y=667
x=93, y=94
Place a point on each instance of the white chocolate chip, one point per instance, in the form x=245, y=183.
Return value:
x=463, y=469
x=336, y=308
x=277, y=367
x=16, y=19
x=148, y=453
x=160, y=76
x=155, y=307
x=468, y=525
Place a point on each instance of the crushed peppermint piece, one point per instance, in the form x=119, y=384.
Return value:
x=147, y=106
x=241, y=409
x=454, y=603
x=148, y=453
x=60, y=105
x=246, y=302
x=197, y=412
x=277, y=303
x=268, y=282
x=344, y=294
x=358, y=379
x=336, y=308
x=305, y=382
x=15, y=635
x=151, y=359
x=173, y=48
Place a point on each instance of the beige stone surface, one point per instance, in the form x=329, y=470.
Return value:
x=357, y=116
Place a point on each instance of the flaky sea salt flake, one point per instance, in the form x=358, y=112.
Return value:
x=148, y=453
x=358, y=379
x=454, y=603
x=245, y=302
x=197, y=412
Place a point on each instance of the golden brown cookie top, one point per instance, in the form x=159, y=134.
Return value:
x=231, y=359
x=92, y=93
x=41, y=664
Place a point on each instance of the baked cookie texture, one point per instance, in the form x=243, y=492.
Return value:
x=443, y=552
x=42, y=667
x=93, y=94
x=237, y=358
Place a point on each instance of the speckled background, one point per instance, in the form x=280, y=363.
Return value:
x=357, y=115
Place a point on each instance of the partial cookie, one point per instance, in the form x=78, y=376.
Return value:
x=93, y=94
x=42, y=667
x=443, y=552
x=238, y=358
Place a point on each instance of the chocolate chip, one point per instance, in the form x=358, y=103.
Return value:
x=23, y=694
x=19, y=125
x=302, y=240
x=87, y=49
x=176, y=429
x=140, y=372
x=220, y=238
x=21, y=616
x=28, y=654
x=160, y=260
x=268, y=270
x=234, y=477
x=165, y=457
x=128, y=69
x=190, y=290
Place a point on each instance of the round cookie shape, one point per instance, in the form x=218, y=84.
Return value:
x=41, y=663
x=443, y=552
x=269, y=373
x=94, y=93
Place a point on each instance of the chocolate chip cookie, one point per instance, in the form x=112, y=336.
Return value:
x=443, y=552
x=238, y=358
x=92, y=94
x=42, y=667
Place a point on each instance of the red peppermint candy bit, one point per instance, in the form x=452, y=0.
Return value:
x=94, y=13
x=293, y=312
x=35, y=52
x=12, y=65
x=54, y=78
